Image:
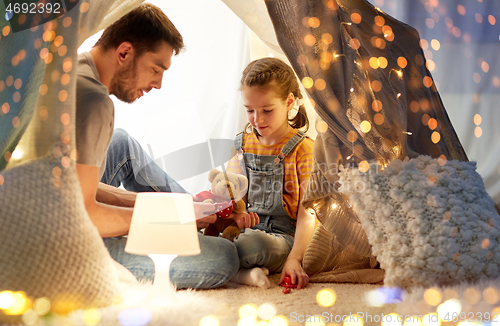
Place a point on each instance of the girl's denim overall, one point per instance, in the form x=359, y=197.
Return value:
x=268, y=243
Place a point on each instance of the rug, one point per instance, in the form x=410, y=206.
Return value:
x=241, y=305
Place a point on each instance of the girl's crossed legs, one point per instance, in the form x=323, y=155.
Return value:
x=260, y=253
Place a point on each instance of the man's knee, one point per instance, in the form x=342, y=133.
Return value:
x=120, y=136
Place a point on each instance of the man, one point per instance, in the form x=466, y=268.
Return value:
x=128, y=61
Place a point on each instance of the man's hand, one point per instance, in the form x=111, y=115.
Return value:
x=204, y=214
x=245, y=220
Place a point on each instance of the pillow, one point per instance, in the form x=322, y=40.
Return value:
x=48, y=245
x=429, y=222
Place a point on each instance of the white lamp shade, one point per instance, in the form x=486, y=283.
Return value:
x=163, y=223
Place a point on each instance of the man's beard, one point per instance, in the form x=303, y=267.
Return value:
x=123, y=84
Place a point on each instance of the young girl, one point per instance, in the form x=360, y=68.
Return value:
x=276, y=158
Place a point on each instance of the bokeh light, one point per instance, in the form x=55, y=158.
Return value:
x=209, y=321
x=321, y=126
x=43, y=89
x=41, y=306
x=402, y=62
x=363, y=166
x=92, y=316
x=16, y=97
x=266, y=311
x=490, y=295
x=435, y=137
x=9, y=80
x=5, y=108
x=315, y=320
x=448, y=308
x=62, y=50
x=352, y=136
x=492, y=20
x=353, y=320
x=392, y=319
x=67, y=21
x=309, y=40
x=247, y=321
x=415, y=320
x=472, y=295
x=442, y=160
x=478, y=132
x=326, y=297
x=477, y=119
x=376, y=105
x=433, y=296
x=320, y=84
x=314, y=22
x=44, y=114
x=135, y=317
x=376, y=86
x=354, y=43
x=432, y=123
x=278, y=321
x=356, y=18
x=378, y=119
x=431, y=319
x=365, y=126
x=67, y=65
x=65, y=79
x=30, y=317
x=84, y=7
x=427, y=81
x=16, y=122
x=461, y=10
x=383, y=295
x=307, y=82
x=63, y=95
x=14, y=303
x=248, y=310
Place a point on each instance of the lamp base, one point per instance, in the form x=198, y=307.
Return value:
x=161, y=283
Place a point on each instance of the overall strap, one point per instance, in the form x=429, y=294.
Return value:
x=293, y=142
x=238, y=141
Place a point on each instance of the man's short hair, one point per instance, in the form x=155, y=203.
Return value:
x=145, y=28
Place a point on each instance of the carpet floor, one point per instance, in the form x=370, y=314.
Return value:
x=354, y=305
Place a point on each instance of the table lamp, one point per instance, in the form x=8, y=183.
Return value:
x=163, y=227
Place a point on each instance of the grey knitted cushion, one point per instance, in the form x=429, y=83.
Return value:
x=48, y=245
x=428, y=224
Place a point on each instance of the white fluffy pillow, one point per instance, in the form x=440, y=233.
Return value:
x=48, y=245
x=428, y=224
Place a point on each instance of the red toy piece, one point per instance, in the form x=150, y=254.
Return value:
x=287, y=283
x=286, y=291
x=222, y=208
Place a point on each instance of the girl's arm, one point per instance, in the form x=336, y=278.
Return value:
x=303, y=234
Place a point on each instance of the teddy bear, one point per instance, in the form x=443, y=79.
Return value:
x=225, y=193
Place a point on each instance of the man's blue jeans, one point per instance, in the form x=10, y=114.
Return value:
x=128, y=164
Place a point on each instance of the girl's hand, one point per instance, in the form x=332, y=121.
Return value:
x=245, y=220
x=293, y=268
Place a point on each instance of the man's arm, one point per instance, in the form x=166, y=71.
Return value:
x=110, y=195
x=110, y=208
x=111, y=221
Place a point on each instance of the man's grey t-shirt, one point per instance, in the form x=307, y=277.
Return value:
x=95, y=114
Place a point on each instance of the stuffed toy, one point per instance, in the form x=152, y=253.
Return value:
x=225, y=193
